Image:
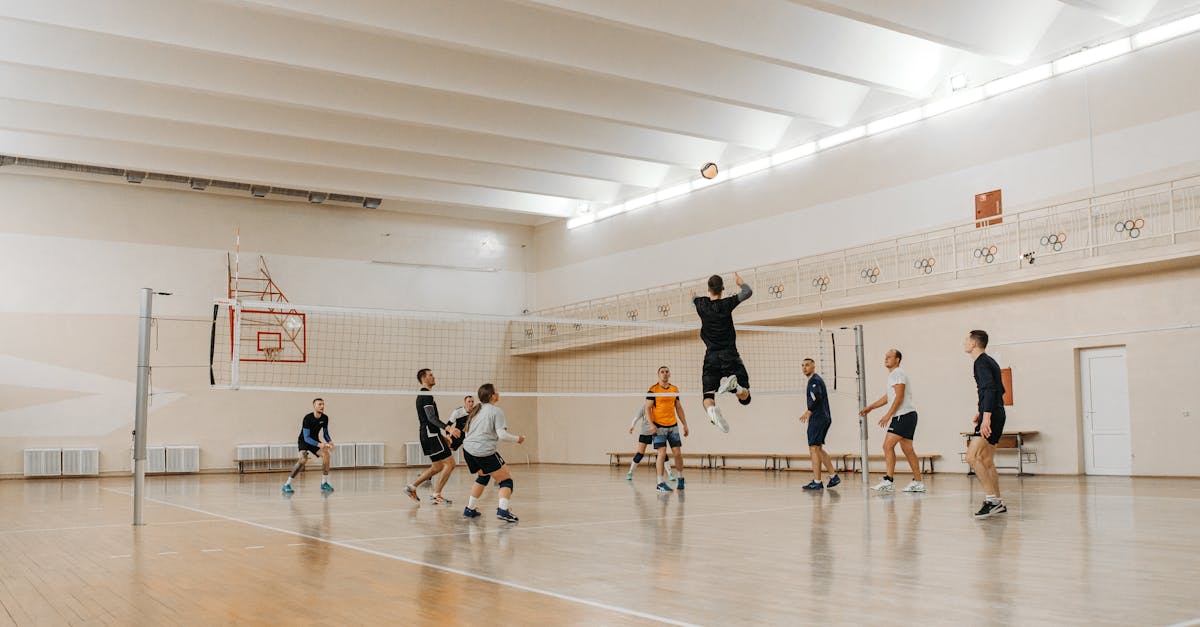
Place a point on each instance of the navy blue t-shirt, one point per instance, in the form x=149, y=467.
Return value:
x=818, y=399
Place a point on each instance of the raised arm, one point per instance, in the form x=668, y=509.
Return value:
x=745, y=292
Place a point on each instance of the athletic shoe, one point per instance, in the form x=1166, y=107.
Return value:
x=663, y=487
x=715, y=417
x=679, y=484
x=287, y=489
x=990, y=509
x=834, y=481
x=728, y=384
x=470, y=513
x=629, y=476
x=670, y=475
x=438, y=499
x=325, y=487
x=506, y=515
x=412, y=493
x=915, y=486
x=884, y=486
x=814, y=485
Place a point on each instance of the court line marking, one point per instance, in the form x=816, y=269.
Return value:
x=399, y=558
x=84, y=527
x=1187, y=623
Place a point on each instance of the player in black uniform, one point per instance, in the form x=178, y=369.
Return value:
x=723, y=368
x=312, y=429
x=436, y=438
x=989, y=423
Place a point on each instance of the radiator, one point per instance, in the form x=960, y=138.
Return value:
x=81, y=462
x=183, y=458
x=343, y=456
x=414, y=455
x=254, y=451
x=367, y=454
x=286, y=452
x=43, y=462
x=156, y=459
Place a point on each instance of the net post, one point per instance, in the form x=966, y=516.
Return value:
x=862, y=401
x=139, y=423
x=235, y=355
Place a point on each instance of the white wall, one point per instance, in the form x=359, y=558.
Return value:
x=75, y=253
x=1136, y=119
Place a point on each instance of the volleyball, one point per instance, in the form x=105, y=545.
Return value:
x=709, y=171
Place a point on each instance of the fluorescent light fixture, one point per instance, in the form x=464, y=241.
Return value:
x=950, y=103
x=1170, y=30
x=609, y=212
x=842, y=137
x=1020, y=79
x=639, y=202
x=1087, y=57
x=791, y=154
x=894, y=121
x=579, y=221
x=702, y=182
x=673, y=192
x=958, y=82
x=750, y=168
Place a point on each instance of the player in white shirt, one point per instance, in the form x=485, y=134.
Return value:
x=902, y=414
x=645, y=432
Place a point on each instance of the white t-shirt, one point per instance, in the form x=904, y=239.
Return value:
x=898, y=376
x=640, y=425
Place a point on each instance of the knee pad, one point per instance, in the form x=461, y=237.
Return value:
x=710, y=395
x=746, y=401
x=638, y=457
x=483, y=480
x=507, y=483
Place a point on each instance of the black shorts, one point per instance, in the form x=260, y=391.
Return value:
x=434, y=446
x=305, y=446
x=487, y=464
x=718, y=365
x=904, y=425
x=645, y=439
x=997, y=427
x=817, y=429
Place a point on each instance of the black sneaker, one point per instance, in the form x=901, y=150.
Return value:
x=814, y=485
x=506, y=515
x=990, y=509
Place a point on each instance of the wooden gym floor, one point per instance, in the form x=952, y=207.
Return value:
x=737, y=547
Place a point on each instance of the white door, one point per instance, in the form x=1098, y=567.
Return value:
x=1106, y=441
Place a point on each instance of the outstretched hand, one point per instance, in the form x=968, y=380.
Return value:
x=737, y=278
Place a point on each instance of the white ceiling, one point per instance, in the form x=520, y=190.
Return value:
x=516, y=110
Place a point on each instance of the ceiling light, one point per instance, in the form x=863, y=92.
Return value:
x=134, y=177
x=639, y=202
x=672, y=192
x=791, y=154
x=894, y=121
x=958, y=82
x=950, y=103
x=579, y=221
x=1089, y=56
x=317, y=197
x=1020, y=79
x=841, y=138
x=609, y=212
x=1170, y=30
x=372, y=203
x=750, y=168
x=199, y=184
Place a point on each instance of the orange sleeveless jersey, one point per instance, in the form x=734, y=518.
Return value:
x=664, y=406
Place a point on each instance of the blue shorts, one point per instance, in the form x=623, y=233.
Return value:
x=817, y=428
x=667, y=436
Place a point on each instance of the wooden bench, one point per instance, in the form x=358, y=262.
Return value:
x=768, y=460
x=241, y=464
x=614, y=458
x=838, y=459
x=850, y=461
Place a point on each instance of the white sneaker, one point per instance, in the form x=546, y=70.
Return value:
x=670, y=475
x=914, y=486
x=728, y=384
x=884, y=486
x=715, y=417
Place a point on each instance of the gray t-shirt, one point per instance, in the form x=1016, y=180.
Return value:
x=485, y=430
